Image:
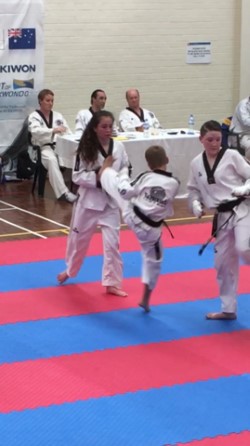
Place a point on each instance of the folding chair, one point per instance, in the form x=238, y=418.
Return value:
x=40, y=173
x=19, y=144
x=231, y=139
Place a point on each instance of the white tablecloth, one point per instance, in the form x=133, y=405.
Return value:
x=181, y=148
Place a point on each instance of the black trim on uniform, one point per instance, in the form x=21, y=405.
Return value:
x=110, y=149
x=50, y=123
x=141, y=116
x=158, y=171
x=209, y=171
x=163, y=172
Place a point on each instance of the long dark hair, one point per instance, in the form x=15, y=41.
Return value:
x=89, y=144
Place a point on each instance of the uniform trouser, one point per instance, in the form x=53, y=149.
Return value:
x=148, y=237
x=50, y=162
x=150, y=241
x=83, y=226
x=232, y=243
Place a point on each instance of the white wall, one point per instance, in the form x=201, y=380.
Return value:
x=244, y=51
x=115, y=45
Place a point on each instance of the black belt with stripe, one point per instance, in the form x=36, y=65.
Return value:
x=146, y=219
x=228, y=206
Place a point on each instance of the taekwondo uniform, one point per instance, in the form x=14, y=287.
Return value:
x=94, y=207
x=241, y=123
x=41, y=135
x=82, y=119
x=213, y=188
x=129, y=119
x=145, y=203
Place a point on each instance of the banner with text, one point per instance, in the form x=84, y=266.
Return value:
x=21, y=63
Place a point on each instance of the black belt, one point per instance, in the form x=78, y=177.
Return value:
x=229, y=205
x=225, y=207
x=146, y=219
x=50, y=144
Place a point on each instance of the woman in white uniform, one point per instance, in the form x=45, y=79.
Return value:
x=44, y=126
x=220, y=180
x=94, y=207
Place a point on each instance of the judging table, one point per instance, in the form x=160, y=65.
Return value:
x=180, y=146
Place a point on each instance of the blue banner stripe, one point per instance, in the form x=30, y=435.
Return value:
x=43, y=274
x=88, y=333
x=204, y=409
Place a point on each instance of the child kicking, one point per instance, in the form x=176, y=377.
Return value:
x=145, y=202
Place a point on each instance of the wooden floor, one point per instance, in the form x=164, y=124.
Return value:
x=24, y=215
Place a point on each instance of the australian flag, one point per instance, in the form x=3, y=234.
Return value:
x=22, y=38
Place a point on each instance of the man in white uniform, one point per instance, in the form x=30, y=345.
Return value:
x=241, y=124
x=44, y=126
x=98, y=100
x=133, y=117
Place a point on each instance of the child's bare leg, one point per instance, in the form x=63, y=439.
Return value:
x=116, y=291
x=62, y=277
x=145, y=298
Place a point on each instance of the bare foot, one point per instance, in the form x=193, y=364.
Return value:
x=221, y=316
x=62, y=277
x=145, y=306
x=145, y=298
x=116, y=291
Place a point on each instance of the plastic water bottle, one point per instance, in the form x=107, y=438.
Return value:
x=146, y=128
x=191, y=124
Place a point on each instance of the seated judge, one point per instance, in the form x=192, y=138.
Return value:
x=133, y=117
x=98, y=100
x=241, y=124
x=44, y=126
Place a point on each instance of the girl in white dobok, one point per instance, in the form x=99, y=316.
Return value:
x=93, y=206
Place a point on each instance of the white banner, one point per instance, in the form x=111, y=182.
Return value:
x=21, y=63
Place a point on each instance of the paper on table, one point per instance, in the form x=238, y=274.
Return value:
x=120, y=138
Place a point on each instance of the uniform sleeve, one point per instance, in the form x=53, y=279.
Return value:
x=65, y=124
x=80, y=125
x=125, y=188
x=174, y=190
x=83, y=176
x=155, y=121
x=193, y=188
x=125, y=161
x=242, y=167
x=243, y=114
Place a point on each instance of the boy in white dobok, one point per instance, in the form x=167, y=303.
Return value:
x=145, y=203
x=219, y=180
